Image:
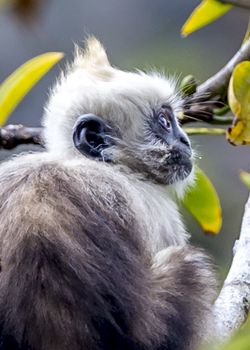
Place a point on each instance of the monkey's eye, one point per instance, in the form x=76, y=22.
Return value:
x=164, y=122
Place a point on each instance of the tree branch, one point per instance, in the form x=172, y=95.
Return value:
x=233, y=304
x=14, y=135
x=217, y=84
x=200, y=106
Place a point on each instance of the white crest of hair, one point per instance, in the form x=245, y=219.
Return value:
x=92, y=85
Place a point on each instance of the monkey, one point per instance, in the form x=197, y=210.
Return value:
x=94, y=252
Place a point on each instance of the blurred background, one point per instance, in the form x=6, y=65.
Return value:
x=137, y=34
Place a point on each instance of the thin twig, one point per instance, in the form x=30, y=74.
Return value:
x=205, y=131
x=227, y=120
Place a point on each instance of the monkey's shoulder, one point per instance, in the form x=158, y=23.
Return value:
x=38, y=170
x=41, y=189
x=38, y=185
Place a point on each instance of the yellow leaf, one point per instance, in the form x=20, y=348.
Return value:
x=207, y=12
x=203, y=203
x=20, y=82
x=245, y=178
x=239, y=102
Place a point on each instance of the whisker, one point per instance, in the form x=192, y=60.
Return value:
x=204, y=103
x=191, y=117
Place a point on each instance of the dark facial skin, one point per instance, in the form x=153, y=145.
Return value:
x=165, y=164
x=178, y=164
x=165, y=127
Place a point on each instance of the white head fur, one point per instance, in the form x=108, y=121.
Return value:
x=92, y=85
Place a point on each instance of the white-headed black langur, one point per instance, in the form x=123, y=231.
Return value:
x=94, y=253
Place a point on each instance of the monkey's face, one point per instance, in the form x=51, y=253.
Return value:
x=124, y=119
x=164, y=154
x=160, y=151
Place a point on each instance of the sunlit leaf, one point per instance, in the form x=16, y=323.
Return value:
x=207, y=12
x=239, y=102
x=245, y=178
x=203, y=203
x=19, y=83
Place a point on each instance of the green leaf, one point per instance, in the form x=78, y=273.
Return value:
x=239, y=102
x=241, y=340
x=207, y=12
x=245, y=178
x=20, y=82
x=240, y=343
x=203, y=203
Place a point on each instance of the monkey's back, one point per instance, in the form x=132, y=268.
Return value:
x=74, y=269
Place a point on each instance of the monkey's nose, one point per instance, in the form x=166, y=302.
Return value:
x=183, y=144
x=185, y=140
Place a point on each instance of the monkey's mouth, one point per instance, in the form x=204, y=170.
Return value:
x=164, y=166
x=181, y=170
x=176, y=167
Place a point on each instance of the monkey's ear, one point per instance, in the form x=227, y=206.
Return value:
x=91, y=136
x=94, y=55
